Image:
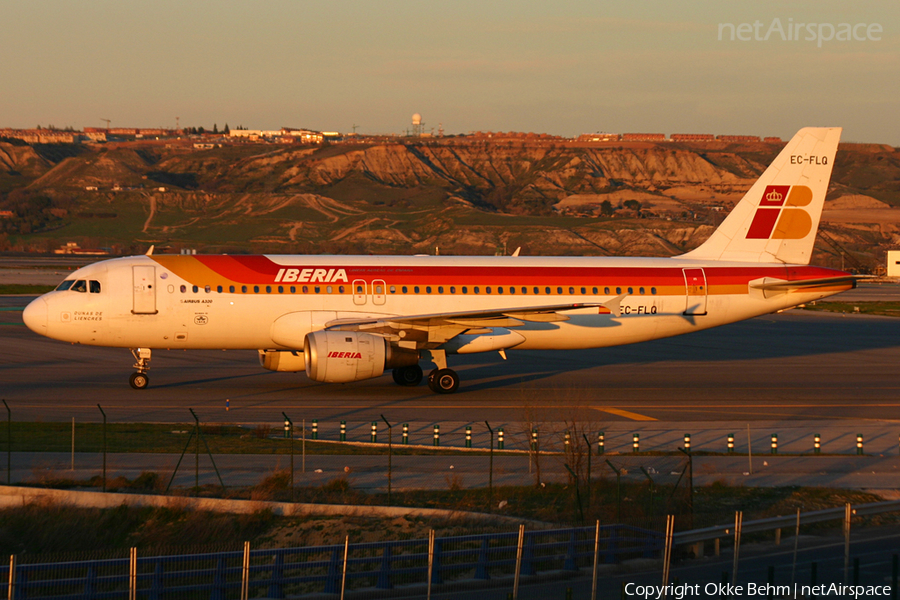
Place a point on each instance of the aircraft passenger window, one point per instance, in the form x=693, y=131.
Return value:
x=393, y=289
x=293, y=289
x=405, y=289
x=340, y=289
x=80, y=286
x=559, y=290
x=487, y=290
x=584, y=290
x=500, y=290
x=95, y=287
x=219, y=289
x=630, y=290
x=183, y=289
x=328, y=289
x=428, y=289
x=207, y=289
x=641, y=291
x=618, y=291
x=572, y=290
x=379, y=289
x=606, y=290
x=476, y=289
x=305, y=289
x=195, y=289
x=243, y=289
x=512, y=290
x=440, y=289
x=536, y=290
x=230, y=289
x=452, y=289
x=653, y=291
x=66, y=284
x=594, y=291
x=317, y=289
x=416, y=289
x=255, y=289
x=280, y=289
x=268, y=289
x=465, y=290
x=359, y=289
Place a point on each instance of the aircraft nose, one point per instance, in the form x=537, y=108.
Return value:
x=35, y=316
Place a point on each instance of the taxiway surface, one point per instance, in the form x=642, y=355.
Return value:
x=798, y=365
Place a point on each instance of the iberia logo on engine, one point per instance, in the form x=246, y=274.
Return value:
x=344, y=355
x=779, y=216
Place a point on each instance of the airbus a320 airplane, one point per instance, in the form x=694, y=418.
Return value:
x=349, y=318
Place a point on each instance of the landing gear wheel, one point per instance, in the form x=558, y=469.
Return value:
x=139, y=380
x=430, y=380
x=408, y=376
x=444, y=381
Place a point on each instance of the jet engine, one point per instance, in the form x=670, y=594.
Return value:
x=342, y=356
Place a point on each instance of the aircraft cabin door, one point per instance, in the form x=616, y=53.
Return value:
x=359, y=292
x=378, y=292
x=695, y=287
x=143, y=280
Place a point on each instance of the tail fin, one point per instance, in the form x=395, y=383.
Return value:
x=777, y=220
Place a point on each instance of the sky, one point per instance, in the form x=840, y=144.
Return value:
x=565, y=67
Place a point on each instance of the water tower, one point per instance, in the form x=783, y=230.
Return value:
x=417, y=125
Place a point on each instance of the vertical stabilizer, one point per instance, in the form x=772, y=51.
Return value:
x=777, y=220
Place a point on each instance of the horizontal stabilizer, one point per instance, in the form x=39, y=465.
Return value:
x=770, y=283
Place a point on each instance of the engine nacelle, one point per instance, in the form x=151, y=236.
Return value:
x=281, y=360
x=343, y=356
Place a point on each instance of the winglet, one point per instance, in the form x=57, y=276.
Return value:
x=615, y=305
x=516, y=253
x=150, y=251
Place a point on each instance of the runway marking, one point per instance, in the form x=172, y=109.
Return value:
x=624, y=413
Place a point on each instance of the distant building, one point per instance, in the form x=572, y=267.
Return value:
x=893, y=263
x=692, y=137
x=738, y=138
x=773, y=140
x=42, y=136
x=598, y=137
x=643, y=137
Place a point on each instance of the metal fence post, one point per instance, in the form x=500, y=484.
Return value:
x=8, y=444
x=290, y=424
x=491, y=469
x=104, y=446
x=12, y=572
x=596, y=561
x=519, y=547
x=132, y=574
x=846, y=542
x=245, y=573
x=390, y=455
x=344, y=569
x=738, y=523
x=430, y=560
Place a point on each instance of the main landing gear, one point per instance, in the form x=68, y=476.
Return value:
x=410, y=376
x=443, y=381
x=140, y=380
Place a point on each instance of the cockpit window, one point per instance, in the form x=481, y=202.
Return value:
x=66, y=284
x=80, y=286
x=95, y=287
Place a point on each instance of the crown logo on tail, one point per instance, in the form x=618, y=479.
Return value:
x=774, y=197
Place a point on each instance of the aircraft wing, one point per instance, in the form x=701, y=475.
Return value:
x=432, y=330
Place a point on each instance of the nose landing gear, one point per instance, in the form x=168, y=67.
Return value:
x=140, y=380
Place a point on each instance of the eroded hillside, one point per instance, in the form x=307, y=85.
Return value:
x=461, y=197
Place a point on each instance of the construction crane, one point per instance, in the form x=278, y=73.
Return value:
x=107, y=123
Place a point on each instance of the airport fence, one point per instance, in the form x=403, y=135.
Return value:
x=371, y=570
